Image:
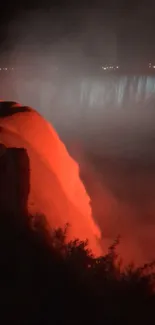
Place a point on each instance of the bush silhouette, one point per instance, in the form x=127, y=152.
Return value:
x=47, y=280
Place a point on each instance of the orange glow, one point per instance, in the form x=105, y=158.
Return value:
x=56, y=189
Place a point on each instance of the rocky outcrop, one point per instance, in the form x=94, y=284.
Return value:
x=14, y=181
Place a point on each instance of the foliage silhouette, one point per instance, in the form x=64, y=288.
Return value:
x=47, y=280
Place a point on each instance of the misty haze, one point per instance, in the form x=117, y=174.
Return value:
x=77, y=162
x=105, y=119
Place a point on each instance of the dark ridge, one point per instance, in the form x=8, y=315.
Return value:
x=14, y=181
x=8, y=108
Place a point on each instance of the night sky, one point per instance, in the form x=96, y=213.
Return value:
x=132, y=24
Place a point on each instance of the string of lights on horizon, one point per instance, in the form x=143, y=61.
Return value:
x=103, y=67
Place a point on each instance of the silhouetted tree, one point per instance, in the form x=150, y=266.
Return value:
x=47, y=280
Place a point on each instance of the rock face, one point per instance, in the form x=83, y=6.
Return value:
x=55, y=186
x=14, y=181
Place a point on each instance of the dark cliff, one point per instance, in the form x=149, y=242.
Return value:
x=14, y=181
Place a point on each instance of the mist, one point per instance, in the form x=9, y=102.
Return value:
x=106, y=121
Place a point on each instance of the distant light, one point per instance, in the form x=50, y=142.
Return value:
x=154, y=67
x=104, y=68
x=117, y=67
